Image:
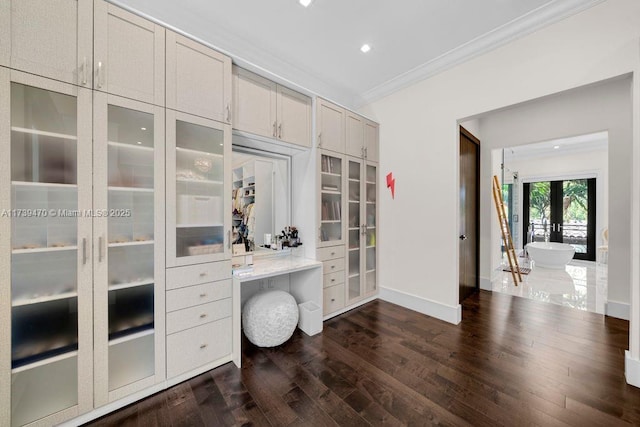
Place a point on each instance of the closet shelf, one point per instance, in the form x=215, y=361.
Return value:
x=130, y=146
x=47, y=361
x=131, y=189
x=43, y=133
x=198, y=152
x=119, y=286
x=42, y=250
x=29, y=301
x=134, y=243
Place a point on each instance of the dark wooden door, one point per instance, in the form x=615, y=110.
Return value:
x=469, y=199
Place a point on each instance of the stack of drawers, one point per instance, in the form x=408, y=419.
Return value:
x=199, y=328
x=333, y=262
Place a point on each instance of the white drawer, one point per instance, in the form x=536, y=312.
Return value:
x=179, y=277
x=333, y=298
x=333, y=252
x=199, y=315
x=178, y=299
x=198, y=346
x=333, y=279
x=333, y=265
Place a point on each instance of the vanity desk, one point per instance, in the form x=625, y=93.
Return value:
x=301, y=277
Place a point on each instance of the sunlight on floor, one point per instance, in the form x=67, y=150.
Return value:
x=581, y=285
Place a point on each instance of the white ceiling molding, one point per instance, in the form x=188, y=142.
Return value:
x=526, y=24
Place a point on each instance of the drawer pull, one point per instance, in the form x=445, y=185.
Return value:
x=333, y=300
x=202, y=316
x=333, y=253
x=203, y=346
x=333, y=266
x=203, y=274
x=203, y=295
x=333, y=280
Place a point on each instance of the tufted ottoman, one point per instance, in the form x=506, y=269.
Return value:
x=270, y=318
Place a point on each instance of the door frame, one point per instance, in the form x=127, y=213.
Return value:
x=476, y=141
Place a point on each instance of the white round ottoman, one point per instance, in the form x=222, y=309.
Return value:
x=270, y=318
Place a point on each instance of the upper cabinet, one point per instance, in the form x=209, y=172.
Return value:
x=129, y=55
x=50, y=38
x=330, y=123
x=265, y=108
x=198, y=79
x=362, y=137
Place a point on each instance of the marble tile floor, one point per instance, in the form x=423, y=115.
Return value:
x=581, y=285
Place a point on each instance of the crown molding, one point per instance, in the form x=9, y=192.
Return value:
x=519, y=27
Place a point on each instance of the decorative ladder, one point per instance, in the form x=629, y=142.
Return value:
x=506, y=233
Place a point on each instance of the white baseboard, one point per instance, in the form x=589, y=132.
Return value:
x=631, y=370
x=422, y=305
x=485, y=284
x=620, y=310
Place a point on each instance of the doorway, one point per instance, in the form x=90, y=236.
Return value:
x=562, y=211
x=469, y=213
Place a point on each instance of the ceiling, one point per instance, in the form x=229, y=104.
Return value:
x=593, y=142
x=317, y=49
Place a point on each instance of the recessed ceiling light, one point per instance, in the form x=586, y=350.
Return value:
x=365, y=48
x=555, y=147
x=221, y=144
x=305, y=3
x=143, y=128
x=139, y=142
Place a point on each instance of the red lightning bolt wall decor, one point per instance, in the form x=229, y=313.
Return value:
x=391, y=183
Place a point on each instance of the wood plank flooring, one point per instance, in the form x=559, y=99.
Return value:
x=511, y=362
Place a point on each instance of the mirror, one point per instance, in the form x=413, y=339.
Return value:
x=261, y=197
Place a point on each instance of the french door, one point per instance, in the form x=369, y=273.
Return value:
x=562, y=211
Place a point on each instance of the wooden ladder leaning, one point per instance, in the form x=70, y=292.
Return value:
x=506, y=232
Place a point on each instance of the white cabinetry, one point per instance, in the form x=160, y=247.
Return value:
x=361, y=137
x=198, y=79
x=46, y=307
x=128, y=246
x=330, y=125
x=265, y=108
x=129, y=57
x=52, y=38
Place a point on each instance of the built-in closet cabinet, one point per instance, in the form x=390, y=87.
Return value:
x=52, y=38
x=129, y=54
x=361, y=137
x=265, y=108
x=330, y=126
x=362, y=213
x=198, y=189
x=198, y=79
x=46, y=305
x=129, y=291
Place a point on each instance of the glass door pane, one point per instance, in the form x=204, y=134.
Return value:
x=130, y=245
x=44, y=266
x=575, y=209
x=199, y=190
x=355, y=230
x=331, y=199
x=538, y=211
x=370, y=261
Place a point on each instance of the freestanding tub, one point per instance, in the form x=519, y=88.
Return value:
x=550, y=254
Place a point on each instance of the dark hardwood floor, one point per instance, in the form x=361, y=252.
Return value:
x=512, y=362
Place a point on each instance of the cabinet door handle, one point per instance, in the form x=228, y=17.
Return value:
x=99, y=83
x=84, y=251
x=333, y=280
x=366, y=152
x=100, y=253
x=229, y=239
x=203, y=346
x=203, y=295
x=333, y=266
x=204, y=273
x=228, y=113
x=84, y=71
x=280, y=131
x=333, y=300
x=333, y=253
x=320, y=139
x=203, y=315
x=361, y=151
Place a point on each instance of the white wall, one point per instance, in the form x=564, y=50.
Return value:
x=419, y=139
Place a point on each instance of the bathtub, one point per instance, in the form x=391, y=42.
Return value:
x=551, y=254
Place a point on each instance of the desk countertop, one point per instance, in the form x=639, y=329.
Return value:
x=276, y=265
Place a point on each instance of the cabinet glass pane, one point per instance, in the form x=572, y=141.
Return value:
x=331, y=199
x=370, y=237
x=130, y=245
x=199, y=190
x=44, y=253
x=354, y=273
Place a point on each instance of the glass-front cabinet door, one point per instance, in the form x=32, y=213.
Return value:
x=370, y=229
x=198, y=194
x=355, y=231
x=45, y=271
x=128, y=246
x=331, y=198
